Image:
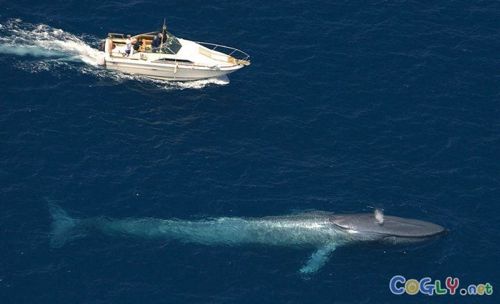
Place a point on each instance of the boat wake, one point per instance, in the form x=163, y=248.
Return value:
x=44, y=48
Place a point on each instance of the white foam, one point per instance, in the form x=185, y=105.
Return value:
x=52, y=48
x=19, y=38
x=28, y=50
x=196, y=84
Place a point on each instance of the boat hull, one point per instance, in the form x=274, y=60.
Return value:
x=171, y=72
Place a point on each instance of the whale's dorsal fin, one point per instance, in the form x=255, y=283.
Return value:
x=379, y=216
x=318, y=259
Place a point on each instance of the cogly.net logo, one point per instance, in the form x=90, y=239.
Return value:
x=399, y=285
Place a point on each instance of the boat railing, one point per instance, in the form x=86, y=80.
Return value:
x=230, y=51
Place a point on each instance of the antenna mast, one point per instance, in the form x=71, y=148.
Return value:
x=163, y=32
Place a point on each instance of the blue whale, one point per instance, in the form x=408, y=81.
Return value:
x=323, y=232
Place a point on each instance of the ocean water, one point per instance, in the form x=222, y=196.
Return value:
x=347, y=106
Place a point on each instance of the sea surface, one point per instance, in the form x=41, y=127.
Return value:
x=347, y=106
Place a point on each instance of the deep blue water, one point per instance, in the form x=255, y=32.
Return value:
x=347, y=106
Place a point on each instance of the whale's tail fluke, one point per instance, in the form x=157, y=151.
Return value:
x=64, y=227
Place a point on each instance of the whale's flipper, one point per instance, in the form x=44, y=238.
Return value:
x=318, y=259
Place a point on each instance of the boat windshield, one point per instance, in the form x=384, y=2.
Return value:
x=171, y=45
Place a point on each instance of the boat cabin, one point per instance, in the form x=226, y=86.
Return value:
x=143, y=43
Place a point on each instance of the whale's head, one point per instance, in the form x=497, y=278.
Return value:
x=378, y=227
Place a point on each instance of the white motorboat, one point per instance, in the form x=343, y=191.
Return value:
x=173, y=59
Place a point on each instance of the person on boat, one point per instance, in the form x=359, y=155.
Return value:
x=137, y=45
x=157, y=40
x=128, y=46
